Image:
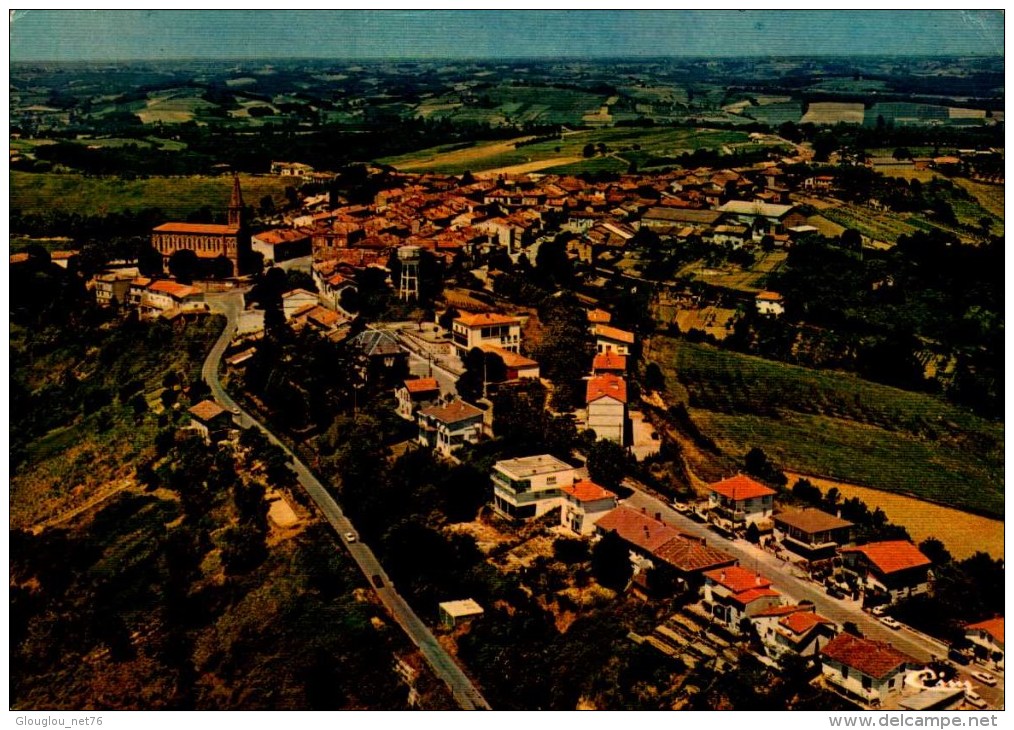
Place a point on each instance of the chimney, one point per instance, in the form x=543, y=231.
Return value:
x=644, y=510
x=658, y=516
x=758, y=579
x=721, y=577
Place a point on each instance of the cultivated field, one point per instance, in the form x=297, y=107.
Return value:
x=838, y=425
x=177, y=196
x=731, y=276
x=833, y=112
x=639, y=145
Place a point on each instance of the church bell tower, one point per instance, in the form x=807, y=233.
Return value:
x=236, y=204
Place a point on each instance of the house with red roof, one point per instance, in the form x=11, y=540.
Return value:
x=987, y=640
x=770, y=303
x=609, y=362
x=161, y=297
x=740, y=501
x=518, y=366
x=282, y=244
x=796, y=629
x=734, y=593
x=485, y=328
x=895, y=568
x=584, y=503
x=653, y=543
x=606, y=401
x=447, y=427
x=864, y=669
x=210, y=420
x=612, y=339
x=413, y=395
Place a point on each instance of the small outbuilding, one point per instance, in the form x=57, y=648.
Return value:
x=453, y=613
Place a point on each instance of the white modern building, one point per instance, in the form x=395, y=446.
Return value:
x=530, y=486
x=447, y=428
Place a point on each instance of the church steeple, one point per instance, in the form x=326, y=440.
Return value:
x=236, y=204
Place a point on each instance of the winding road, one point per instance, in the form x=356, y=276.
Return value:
x=465, y=693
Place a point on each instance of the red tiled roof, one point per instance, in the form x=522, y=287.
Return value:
x=890, y=556
x=740, y=487
x=782, y=610
x=690, y=555
x=510, y=359
x=204, y=228
x=282, y=235
x=769, y=296
x=748, y=597
x=422, y=385
x=802, y=621
x=612, y=333
x=606, y=386
x=484, y=319
x=453, y=412
x=637, y=528
x=993, y=627
x=587, y=491
x=206, y=410
x=19, y=258
x=738, y=579
x=609, y=361
x=173, y=289
x=875, y=659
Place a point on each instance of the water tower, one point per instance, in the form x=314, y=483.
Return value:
x=408, y=257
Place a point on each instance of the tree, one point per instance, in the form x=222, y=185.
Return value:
x=243, y=548
x=934, y=549
x=184, y=265
x=589, y=150
x=447, y=318
x=753, y=533
x=607, y=463
x=610, y=562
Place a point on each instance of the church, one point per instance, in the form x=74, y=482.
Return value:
x=208, y=240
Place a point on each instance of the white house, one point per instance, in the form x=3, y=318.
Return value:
x=862, y=668
x=739, y=501
x=112, y=286
x=164, y=296
x=734, y=593
x=894, y=568
x=793, y=629
x=530, y=486
x=612, y=339
x=987, y=639
x=606, y=400
x=475, y=330
x=415, y=394
x=297, y=300
x=770, y=303
x=584, y=503
x=446, y=428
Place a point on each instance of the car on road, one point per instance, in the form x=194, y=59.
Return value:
x=974, y=699
x=378, y=582
x=890, y=623
x=350, y=537
x=961, y=658
x=879, y=610
x=234, y=410
x=985, y=678
x=681, y=507
x=835, y=592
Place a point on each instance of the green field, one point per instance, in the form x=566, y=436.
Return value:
x=632, y=144
x=838, y=425
x=177, y=196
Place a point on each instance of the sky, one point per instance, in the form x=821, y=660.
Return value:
x=109, y=35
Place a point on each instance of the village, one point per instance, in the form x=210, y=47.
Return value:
x=752, y=575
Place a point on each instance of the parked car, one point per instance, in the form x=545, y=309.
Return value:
x=890, y=623
x=879, y=610
x=985, y=678
x=835, y=592
x=681, y=507
x=974, y=699
x=350, y=537
x=956, y=656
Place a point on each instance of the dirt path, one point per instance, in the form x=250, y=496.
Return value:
x=70, y=514
x=963, y=533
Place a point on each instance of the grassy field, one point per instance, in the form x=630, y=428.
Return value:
x=734, y=277
x=177, y=196
x=838, y=425
x=649, y=142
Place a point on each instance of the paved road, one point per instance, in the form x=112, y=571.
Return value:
x=788, y=581
x=465, y=693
